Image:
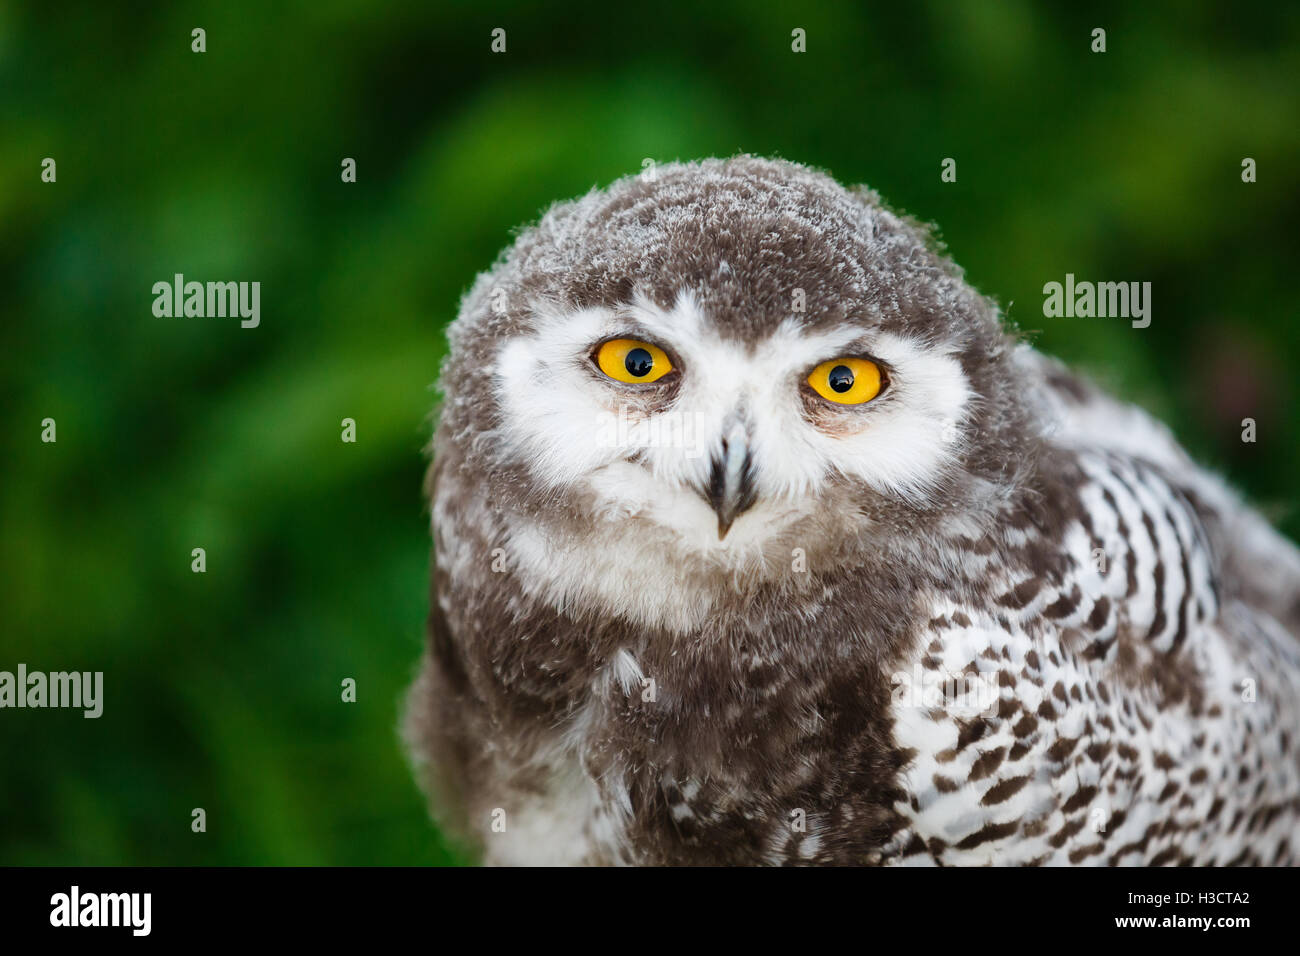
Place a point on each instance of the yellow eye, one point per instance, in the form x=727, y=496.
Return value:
x=627, y=360
x=846, y=381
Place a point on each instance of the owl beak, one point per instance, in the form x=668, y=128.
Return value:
x=731, y=479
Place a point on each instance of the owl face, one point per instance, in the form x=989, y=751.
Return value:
x=654, y=415
x=664, y=389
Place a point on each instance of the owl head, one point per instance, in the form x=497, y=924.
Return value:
x=707, y=368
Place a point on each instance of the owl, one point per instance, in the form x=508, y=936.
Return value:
x=759, y=540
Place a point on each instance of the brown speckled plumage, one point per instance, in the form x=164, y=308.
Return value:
x=1137, y=624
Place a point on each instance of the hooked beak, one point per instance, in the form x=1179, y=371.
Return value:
x=731, y=479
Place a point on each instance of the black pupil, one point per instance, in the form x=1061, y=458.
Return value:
x=639, y=362
x=840, y=379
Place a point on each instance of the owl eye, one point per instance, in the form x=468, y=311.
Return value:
x=846, y=381
x=630, y=360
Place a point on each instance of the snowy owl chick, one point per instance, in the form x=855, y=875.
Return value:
x=759, y=540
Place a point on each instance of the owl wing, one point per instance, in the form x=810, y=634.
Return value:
x=1253, y=560
x=1134, y=704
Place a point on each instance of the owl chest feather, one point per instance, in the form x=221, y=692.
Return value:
x=1080, y=710
x=729, y=743
x=1121, y=717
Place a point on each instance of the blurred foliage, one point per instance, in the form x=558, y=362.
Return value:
x=222, y=689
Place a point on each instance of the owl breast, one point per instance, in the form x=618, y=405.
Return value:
x=1114, y=699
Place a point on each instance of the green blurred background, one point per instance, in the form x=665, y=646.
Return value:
x=222, y=690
